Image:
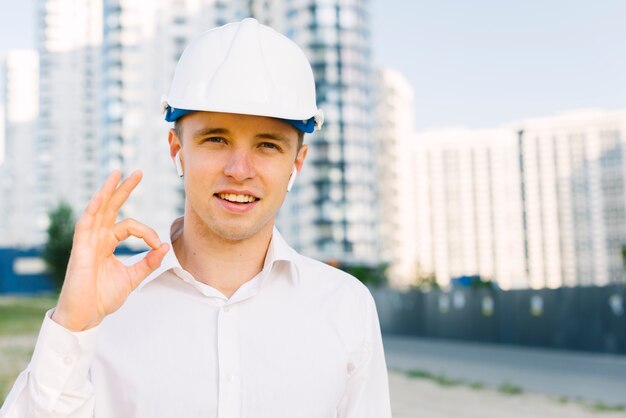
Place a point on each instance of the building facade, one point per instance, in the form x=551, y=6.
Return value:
x=20, y=71
x=331, y=214
x=537, y=203
x=573, y=174
x=468, y=206
x=69, y=40
x=394, y=133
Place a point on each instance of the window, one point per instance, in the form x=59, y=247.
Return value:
x=327, y=16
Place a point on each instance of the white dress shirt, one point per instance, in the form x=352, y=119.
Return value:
x=299, y=340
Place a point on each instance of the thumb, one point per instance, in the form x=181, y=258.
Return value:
x=142, y=269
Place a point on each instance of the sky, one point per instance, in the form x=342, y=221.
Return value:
x=478, y=63
x=482, y=63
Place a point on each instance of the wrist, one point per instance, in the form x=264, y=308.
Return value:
x=72, y=324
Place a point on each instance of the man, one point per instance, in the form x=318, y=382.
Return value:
x=224, y=319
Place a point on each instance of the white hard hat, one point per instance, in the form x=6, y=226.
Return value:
x=245, y=68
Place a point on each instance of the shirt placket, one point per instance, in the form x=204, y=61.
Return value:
x=230, y=390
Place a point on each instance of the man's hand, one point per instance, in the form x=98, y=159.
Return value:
x=96, y=282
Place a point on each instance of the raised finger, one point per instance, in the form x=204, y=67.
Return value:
x=105, y=194
x=120, y=196
x=131, y=227
x=86, y=220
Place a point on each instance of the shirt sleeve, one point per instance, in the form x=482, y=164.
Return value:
x=367, y=390
x=56, y=382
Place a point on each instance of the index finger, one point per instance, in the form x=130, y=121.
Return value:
x=105, y=193
x=120, y=196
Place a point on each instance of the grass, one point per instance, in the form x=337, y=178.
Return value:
x=419, y=374
x=598, y=406
x=476, y=385
x=446, y=381
x=20, y=320
x=510, y=389
x=442, y=380
x=602, y=407
x=23, y=315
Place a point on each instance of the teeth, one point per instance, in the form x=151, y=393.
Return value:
x=239, y=198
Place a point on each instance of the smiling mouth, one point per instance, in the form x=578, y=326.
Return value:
x=236, y=198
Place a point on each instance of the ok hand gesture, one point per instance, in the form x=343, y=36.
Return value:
x=96, y=282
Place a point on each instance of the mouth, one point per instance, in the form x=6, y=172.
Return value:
x=237, y=198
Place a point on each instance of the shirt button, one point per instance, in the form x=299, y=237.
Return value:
x=67, y=360
x=227, y=309
x=231, y=377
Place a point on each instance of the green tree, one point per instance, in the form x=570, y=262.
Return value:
x=424, y=280
x=374, y=275
x=59, y=245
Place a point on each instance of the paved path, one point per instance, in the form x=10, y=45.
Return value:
x=590, y=377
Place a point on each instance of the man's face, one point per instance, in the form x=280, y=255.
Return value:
x=236, y=170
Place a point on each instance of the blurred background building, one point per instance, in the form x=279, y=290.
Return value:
x=468, y=206
x=331, y=212
x=573, y=172
x=397, y=201
x=20, y=70
x=536, y=203
x=67, y=161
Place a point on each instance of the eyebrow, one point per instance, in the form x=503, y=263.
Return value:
x=210, y=131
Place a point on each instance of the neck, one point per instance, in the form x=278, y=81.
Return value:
x=217, y=261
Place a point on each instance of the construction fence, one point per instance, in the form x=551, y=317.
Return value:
x=580, y=318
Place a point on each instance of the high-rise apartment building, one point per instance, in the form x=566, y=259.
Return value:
x=573, y=171
x=2, y=133
x=67, y=146
x=20, y=71
x=395, y=114
x=332, y=211
x=468, y=206
x=537, y=203
x=5, y=184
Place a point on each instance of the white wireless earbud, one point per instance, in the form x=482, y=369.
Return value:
x=292, y=178
x=179, y=166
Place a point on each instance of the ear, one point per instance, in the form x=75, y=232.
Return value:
x=301, y=156
x=297, y=165
x=175, y=151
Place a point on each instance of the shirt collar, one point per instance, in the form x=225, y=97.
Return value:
x=278, y=251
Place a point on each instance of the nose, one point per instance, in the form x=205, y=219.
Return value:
x=239, y=165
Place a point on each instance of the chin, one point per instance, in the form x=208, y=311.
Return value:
x=235, y=232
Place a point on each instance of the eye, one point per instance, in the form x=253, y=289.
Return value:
x=214, y=139
x=270, y=145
